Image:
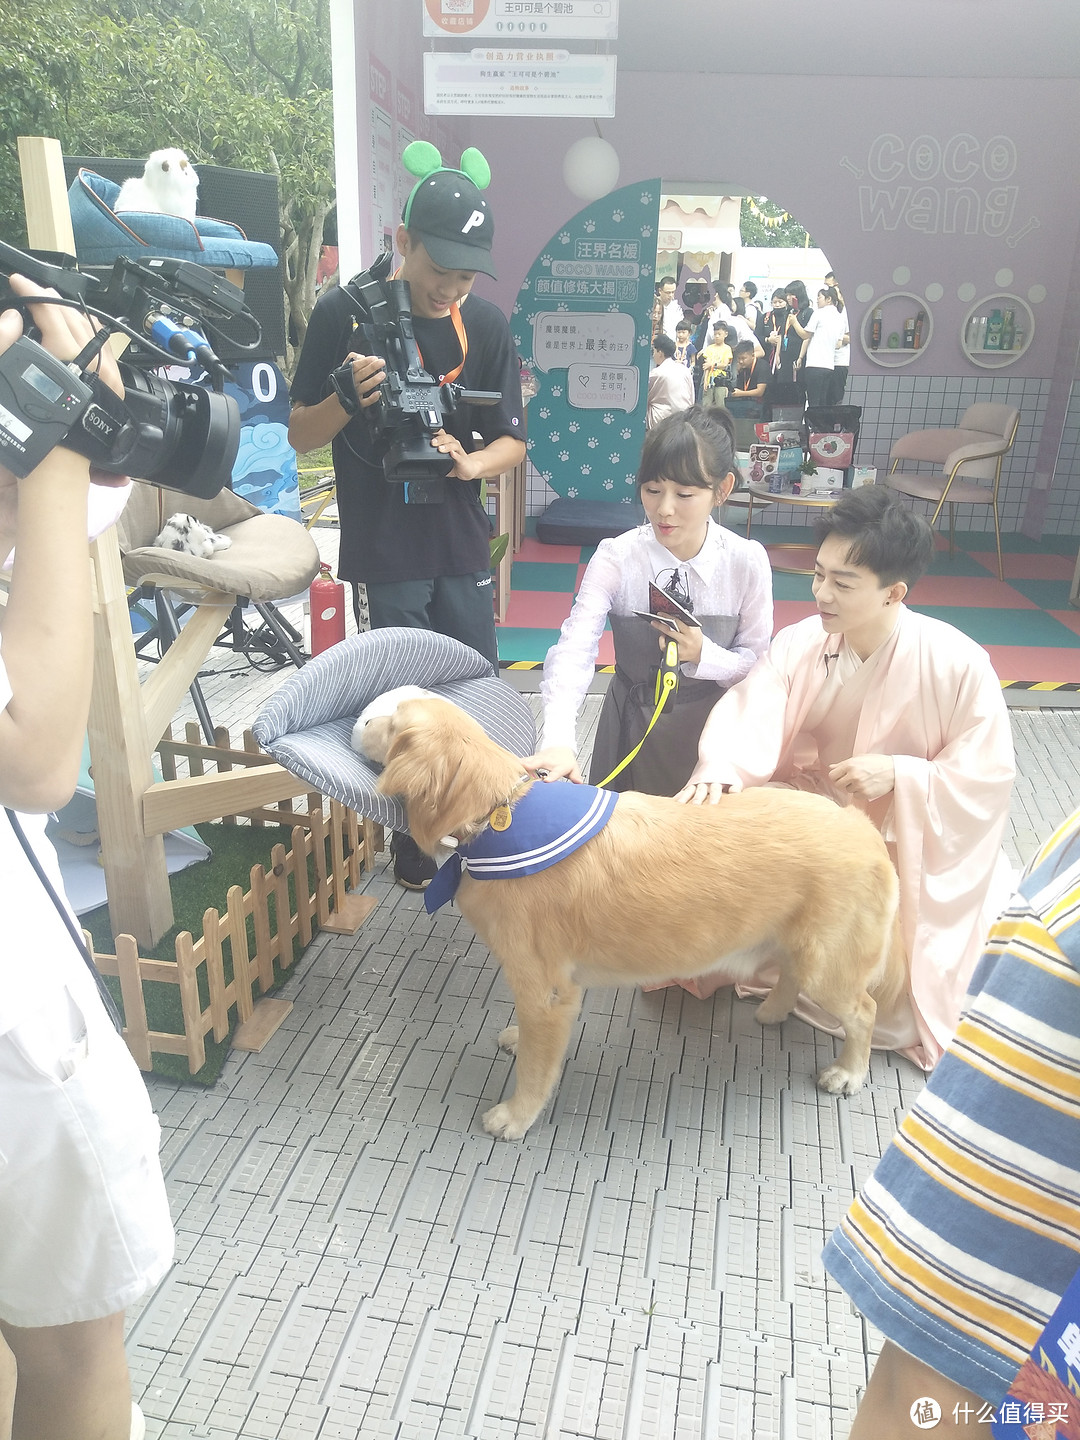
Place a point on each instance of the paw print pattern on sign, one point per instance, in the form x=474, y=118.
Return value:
x=564, y=454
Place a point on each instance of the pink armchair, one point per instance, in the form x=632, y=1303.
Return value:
x=968, y=455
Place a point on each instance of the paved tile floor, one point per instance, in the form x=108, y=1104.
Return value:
x=356, y=1258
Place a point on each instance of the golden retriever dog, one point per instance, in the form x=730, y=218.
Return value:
x=663, y=891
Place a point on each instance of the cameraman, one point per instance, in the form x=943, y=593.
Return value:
x=425, y=566
x=84, y=1219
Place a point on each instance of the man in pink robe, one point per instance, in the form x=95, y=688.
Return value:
x=878, y=706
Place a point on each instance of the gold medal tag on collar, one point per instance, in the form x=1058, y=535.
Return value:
x=500, y=817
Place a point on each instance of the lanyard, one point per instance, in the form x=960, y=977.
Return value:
x=459, y=331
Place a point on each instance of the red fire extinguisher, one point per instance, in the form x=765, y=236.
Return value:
x=326, y=605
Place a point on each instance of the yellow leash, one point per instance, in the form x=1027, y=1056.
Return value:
x=667, y=681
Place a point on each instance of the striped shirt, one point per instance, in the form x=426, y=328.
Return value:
x=961, y=1244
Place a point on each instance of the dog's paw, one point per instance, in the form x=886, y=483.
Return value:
x=839, y=1081
x=770, y=1012
x=500, y=1122
x=508, y=1039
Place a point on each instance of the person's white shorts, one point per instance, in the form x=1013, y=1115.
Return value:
x=84, y=1219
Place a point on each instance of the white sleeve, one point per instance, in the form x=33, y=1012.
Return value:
x=728, y=666
x=571, y=661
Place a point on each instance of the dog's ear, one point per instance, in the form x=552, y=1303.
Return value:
x=421, y=760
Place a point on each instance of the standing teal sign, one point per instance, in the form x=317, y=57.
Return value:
x=582, y=324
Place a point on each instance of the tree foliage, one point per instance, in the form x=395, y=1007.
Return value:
x=233, y=84
x=763, y=222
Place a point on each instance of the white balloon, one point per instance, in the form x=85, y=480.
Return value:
x=591, y=168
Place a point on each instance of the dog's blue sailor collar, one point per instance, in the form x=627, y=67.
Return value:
x=548, y=822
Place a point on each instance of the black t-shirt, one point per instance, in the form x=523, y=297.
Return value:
x=759, y=375
x=382, y=538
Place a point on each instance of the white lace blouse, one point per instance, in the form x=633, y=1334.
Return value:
x=728, y=576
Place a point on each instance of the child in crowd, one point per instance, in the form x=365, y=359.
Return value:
x=713, y=370
x=687, y=468
x=685, y=351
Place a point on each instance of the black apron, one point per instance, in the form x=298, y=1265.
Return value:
x=664, y=762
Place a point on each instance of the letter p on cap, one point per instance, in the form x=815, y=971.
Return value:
x=476, y=218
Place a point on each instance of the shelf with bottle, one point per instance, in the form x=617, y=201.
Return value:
x=896, y=329
x=997, y=330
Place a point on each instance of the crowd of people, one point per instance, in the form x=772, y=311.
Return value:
x=797, y=350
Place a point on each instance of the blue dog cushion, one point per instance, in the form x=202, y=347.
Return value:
x=307, y=724
x=101, y=236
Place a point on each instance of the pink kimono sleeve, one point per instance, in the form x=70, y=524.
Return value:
x=949, y=815
x=746, y=733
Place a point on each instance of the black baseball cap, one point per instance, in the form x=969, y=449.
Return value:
x=449, y=216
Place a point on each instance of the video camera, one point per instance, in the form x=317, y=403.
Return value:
x=412, y=405
x=173, y=433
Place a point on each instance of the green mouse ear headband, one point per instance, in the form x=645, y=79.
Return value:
x=423, y=160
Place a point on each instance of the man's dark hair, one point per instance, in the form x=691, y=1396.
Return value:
x=667, y=280
x=664, y=343
x=750, y=288
x=882, y=534
x=743, y=347
x=691, y=447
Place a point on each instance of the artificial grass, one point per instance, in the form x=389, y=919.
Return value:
x=234, y=850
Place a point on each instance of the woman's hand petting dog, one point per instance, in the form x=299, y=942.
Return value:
x=557, y=762
x=705, y=792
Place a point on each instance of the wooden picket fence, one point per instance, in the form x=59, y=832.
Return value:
x=319, y=898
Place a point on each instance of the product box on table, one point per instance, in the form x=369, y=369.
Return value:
x=824, y=478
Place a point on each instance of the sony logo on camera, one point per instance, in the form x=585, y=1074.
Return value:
x=96, y=419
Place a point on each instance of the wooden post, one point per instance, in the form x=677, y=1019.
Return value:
x=48, y=218
x=136, y=878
